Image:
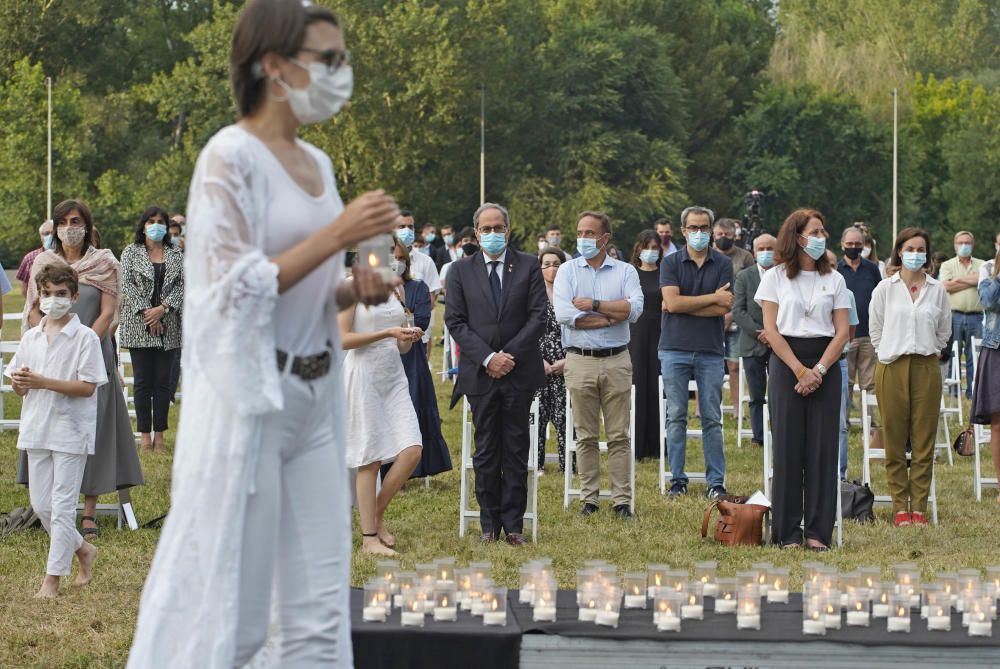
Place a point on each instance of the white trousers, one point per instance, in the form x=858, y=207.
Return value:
x=54, y=488
x=297, y=529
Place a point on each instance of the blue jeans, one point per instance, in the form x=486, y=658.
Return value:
x=678, y=368
x=963, y=328
x=755, y=369
x=845, y=426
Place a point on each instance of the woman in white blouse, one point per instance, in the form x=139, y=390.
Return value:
x=910, y=323
x=261, y=501
x=805, y=305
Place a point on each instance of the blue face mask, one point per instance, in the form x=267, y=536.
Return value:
x=649, y=256
x=426, y=250
x=47, y=241
x=815, y=246
x=430, y=237
x=449, y=240
x=964, y=250
x=156, y=232
x=405, y=236
x=493, y=243
x=914, y=260
x=765, y=259
x=175, y=242
x=587, y=247
x=697, y=240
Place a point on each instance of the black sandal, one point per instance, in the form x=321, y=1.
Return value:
x=89, y=531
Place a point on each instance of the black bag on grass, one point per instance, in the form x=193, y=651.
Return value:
x=856, y=501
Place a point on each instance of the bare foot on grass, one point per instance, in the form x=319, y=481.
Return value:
x=49, y=589
x=86, y=556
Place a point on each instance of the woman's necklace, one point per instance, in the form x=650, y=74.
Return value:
x=810, y=306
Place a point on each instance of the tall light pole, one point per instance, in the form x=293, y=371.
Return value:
x=48, y=199
x=482, y=143
x=895, y=163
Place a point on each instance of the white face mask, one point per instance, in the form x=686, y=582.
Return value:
x=324, y=96
x=55, y=307
x=398, y=266
x=866, y=251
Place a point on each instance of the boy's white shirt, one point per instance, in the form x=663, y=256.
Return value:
x=51, y=420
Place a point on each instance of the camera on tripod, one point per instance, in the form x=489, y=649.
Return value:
x=752, y=218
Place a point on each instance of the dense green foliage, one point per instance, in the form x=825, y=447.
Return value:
x=638, y=107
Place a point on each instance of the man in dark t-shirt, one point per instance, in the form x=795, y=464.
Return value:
x=697, y=293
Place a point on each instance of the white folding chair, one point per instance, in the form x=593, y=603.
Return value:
x=466, y=514
x=692, y=433
x=568, y=478
x=868, y=404
x=446, y=355
x=769, y=476
x=981, y=432
x=7, y=351
x=743, y=413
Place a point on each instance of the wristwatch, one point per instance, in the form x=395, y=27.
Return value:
x=166, y=309
x=821, y=368
x=597, y=306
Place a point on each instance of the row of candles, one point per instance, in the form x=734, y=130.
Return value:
x=440, y=589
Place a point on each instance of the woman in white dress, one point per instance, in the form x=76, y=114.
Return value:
x=382, y=424
x=260, y=492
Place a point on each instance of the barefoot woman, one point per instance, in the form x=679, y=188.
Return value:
x=260, y=487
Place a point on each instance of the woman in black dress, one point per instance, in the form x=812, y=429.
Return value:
x=552, y=398
x=644, y=338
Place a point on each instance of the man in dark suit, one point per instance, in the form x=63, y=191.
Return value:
x=495, y=310
x=754, y=348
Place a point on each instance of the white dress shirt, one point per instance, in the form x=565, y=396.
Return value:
x=805, y=303
x=502, y=258
x=51, y=420
x=423, y=268
x=901, y=326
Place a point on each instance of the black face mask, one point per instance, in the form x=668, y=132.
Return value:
x=853, y=254
x=723, y=243
x=469, y=249
x=666, y=240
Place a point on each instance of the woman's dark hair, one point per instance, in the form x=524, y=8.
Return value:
x=787, y=248
x=61, y=211
x=905, y=235
x=551, y=251
x=642, y=242
x=140, y=229
x=265, y=26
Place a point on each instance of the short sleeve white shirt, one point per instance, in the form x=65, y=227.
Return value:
x=51, y=420
x=805, y=303
x=423, y=268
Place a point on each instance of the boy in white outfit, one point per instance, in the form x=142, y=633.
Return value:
x=57, y=369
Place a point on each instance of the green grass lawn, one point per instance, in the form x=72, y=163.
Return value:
x=92, y=627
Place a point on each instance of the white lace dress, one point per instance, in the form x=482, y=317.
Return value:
x=381, y=420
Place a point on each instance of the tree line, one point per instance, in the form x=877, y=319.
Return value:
x=637, y=107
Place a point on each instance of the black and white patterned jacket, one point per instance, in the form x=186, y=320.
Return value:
x=137, y=293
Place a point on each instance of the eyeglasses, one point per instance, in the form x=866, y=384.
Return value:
x=75, y=222
x=546, y=265
x=332, y=58
x=487, y=229
x=700, y=228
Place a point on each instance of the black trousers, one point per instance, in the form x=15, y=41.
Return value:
x=755, y=369
x=175, y=374
x=806, y=442
x=151, y=368
x=500, y=418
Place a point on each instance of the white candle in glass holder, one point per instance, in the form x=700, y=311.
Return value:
x=635, y=589
x=899, y=612
x=939, y=611
x=655, y=578
x=609, y=604
x=777, y=592
x=373, y=614
x=748, y=614
x=813, y=608
x=544, y=609
x=693, y=607
x=705, y=573
x=666, y=610
x=726, y=598
x=495, y=606
x=858, y=605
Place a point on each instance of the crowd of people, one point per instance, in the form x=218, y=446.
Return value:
x=299, y=372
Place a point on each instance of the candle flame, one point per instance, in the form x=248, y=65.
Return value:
x=656, y=580
x=692, y=600
x=815, y=615
x=777, y=583
x=859, y=606
x=494, y=604
x=901, y=612
x=591, y=604
x=444, y=601
x=373, y=260
x=635, y=590
x=704, y=579
x=664, y=606
x=727, y=595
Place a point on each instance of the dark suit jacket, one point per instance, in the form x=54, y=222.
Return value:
x=480, y=330
x=747, y=313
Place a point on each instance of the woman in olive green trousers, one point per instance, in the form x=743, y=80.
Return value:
x=910, y=323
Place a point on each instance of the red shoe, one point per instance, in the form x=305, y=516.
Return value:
x=903, y=519
x=918, y=518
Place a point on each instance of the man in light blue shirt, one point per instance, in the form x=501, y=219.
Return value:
x=595, y=298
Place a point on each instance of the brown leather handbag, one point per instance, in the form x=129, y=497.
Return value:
x=965, y=442
x=739, y=524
